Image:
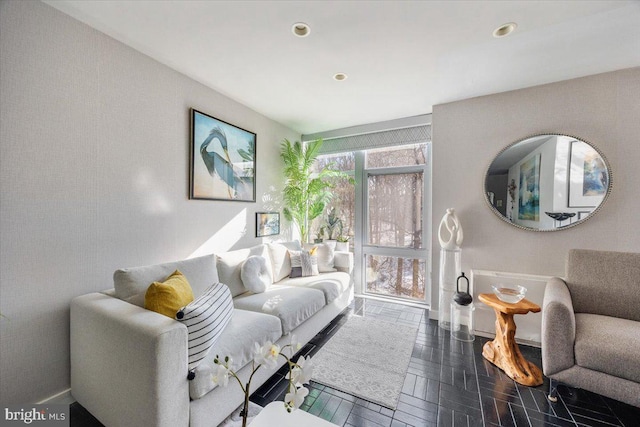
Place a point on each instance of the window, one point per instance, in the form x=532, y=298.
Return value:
x=387, y=206
x=344, y=195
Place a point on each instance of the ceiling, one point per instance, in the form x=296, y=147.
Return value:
x=401, y=57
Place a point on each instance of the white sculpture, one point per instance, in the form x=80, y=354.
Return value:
x=451, y=223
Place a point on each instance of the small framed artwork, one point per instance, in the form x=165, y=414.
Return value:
x=267, y=224
x=223, y=160
x=588, y=176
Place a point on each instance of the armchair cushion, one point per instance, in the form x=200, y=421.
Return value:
x=598, y=343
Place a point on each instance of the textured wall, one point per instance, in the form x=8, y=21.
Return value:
x=93, y=177
x=603, y=109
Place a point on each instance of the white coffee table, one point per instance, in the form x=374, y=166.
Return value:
x=274, y=414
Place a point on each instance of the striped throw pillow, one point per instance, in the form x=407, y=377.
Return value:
x=304, y=263
x=205, y=318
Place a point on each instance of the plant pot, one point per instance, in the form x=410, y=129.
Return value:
x=342, y=246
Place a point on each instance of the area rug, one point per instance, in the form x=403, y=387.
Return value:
x=367, y=358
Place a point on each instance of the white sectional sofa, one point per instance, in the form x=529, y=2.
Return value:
x=129, y=365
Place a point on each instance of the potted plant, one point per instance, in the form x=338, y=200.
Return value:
x=319, y=235
x=342, y=244
x=306, y=193
x=333, y=223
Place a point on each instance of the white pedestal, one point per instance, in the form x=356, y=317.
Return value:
x=450, y=268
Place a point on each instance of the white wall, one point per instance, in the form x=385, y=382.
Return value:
x=94, y=172
x=601, y=109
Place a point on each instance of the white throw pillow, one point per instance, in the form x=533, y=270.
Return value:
x=325, y=254
x=205, y=318
x=256, y=274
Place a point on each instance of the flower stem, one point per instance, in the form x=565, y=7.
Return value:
x=245, y=410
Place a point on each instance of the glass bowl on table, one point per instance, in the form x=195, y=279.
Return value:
x=509, y=293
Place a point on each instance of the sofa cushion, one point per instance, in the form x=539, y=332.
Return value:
x=304, y=263
x=168, y=296
x=206, y=318
x=230, y=266
x=237, y=340
x=331, y=284
x=608, y=344
x=256, y=274
x=291, y=304
x=280, y=260
x=131, y=283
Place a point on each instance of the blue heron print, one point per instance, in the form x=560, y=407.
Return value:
x=216, y=164
x=223, y=160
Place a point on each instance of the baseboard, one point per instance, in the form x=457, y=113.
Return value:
x=395, y=301
x=62, y=398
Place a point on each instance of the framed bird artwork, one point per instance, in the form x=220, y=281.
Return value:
x=223, y=160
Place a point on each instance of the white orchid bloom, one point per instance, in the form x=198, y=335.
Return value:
x=267, y=354
x=295, y=398
x=301, y=372
x=221, y=375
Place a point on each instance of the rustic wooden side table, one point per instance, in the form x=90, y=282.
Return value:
x=503, y=351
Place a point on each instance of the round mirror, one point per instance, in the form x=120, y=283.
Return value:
x=547, y=182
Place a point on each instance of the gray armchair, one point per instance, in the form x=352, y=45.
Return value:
x=591, y=325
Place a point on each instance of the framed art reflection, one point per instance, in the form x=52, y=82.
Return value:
x=588, y=176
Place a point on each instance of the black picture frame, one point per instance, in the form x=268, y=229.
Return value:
x=223, y=160
x=267, y=224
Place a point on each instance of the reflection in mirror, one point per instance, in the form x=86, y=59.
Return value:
x=547, y=182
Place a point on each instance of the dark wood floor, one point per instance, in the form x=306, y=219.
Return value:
x=448, y=383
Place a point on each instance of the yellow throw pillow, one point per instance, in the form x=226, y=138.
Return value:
x=169, y=296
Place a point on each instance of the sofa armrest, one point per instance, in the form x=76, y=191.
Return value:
x=128, y=364
x=343, y=261
x=558, y=328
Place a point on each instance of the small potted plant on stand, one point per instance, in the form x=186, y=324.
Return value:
x=319, y=235
x=342, y=244
x=334, y=223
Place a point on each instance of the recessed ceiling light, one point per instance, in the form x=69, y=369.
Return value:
x=505, y=30
x=340, y=76
x=300, y=29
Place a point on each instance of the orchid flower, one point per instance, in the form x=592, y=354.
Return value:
x=301, y=371
x=221, y=375
x=267, y=354
x=295, y=398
